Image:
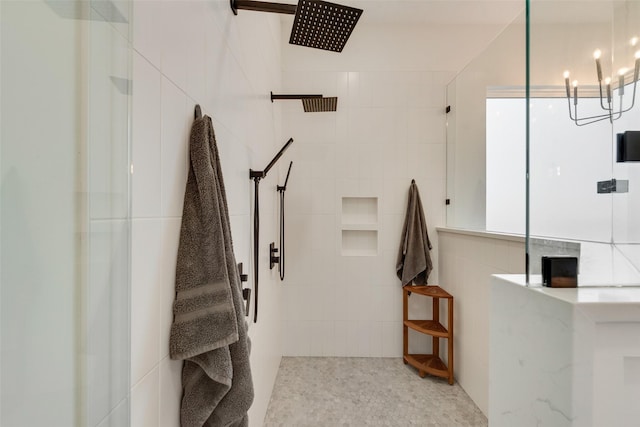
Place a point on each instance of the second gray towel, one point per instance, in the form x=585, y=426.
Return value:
x=414, y=260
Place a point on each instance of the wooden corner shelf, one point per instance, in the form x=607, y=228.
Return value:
x=429, y=363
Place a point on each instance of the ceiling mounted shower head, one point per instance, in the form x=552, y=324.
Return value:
x=323, y=25
x=312, y=103
x=318, y=24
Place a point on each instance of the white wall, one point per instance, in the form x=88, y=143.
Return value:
x=564, y=202
x=467, y=261
x=389, y=128
x=186, y=53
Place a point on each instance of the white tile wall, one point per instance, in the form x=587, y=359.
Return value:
x=389, y=128
x=466, y=263
x=146, y=259
x=145, y=404
x=146, y=132
x=188, y=52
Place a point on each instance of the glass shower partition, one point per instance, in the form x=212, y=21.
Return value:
x=64, y=212
x=582, y=73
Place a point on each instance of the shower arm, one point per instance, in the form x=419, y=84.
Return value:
x=261, y=6
x=277, y=97
x=263, y=173
x=257, y=176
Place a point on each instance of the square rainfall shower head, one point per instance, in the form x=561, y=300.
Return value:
x=323, y=25
x=317, y=105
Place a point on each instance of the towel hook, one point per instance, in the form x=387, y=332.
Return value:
x=413, y=181
x=198, y=112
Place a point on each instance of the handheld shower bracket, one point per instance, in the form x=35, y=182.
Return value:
x=273, y=258
x=256, y=174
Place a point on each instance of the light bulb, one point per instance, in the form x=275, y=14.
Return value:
x=607, y=80
x=575, y=83
x=621, y=74
x=566, y=74
x=634, y=41
x=596, y=54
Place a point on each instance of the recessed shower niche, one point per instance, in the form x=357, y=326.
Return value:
x=359, y=226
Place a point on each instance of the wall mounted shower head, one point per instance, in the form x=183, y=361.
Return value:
x=316, y=105
x=318, y=24
x=312, y=103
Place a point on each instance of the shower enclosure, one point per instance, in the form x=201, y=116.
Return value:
x=525, y=166
x=583, y=66
x=64, y=213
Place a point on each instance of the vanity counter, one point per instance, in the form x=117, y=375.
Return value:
x=563, y=357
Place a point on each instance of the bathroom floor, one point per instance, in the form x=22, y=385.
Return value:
x=336, y=391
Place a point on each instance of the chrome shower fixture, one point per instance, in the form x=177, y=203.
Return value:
x=318, y=24
x=312, y=103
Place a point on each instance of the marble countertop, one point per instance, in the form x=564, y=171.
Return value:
x=606, y=303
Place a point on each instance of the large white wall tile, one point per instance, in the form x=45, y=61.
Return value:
x=195, y=49
x=392, y=339
x=170, y=386
x=119, y=416
x=147, y=29
x=358, y=333
x=175, y=41
x=177, y=116
x=145, y=402
x=170, y=232
x=146, y=139
x=146, y=288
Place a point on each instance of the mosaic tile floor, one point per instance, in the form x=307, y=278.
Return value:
x=335, y=391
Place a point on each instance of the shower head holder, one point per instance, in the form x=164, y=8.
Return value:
x=318, y=24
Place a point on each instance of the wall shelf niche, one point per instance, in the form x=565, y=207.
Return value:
x=359, y=226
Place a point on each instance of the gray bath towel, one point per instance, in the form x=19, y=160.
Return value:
x=414, y=260
x=209, y=331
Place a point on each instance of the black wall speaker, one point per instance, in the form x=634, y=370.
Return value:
x=628, y=145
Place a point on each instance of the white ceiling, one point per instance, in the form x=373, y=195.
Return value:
x=416, y=12
x=437, y=11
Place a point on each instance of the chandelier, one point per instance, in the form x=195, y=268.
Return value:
x=612, y=109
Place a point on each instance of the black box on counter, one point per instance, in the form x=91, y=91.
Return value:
x=559, y=272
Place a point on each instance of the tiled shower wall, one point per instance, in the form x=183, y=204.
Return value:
x=389, y=128
x=188, y=52
x=379, y=139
